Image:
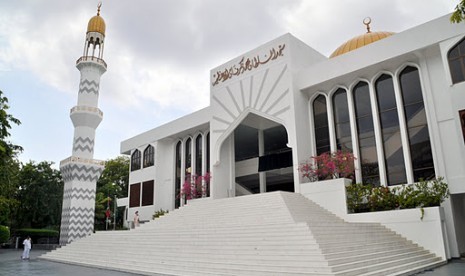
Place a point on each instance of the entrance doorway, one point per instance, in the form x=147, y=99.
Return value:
x=262, y=158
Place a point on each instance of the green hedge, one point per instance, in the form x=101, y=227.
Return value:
x=36, y=233
x=4, y=234
x=366, y=198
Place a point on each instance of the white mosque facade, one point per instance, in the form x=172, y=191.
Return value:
x=398, y=104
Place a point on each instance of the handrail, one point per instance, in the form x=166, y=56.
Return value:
x=82, y=160
x=86, y=108
x=92, y=58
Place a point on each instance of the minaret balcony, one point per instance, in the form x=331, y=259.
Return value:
x=92, y=59
x=75, y=159
x=86, y=116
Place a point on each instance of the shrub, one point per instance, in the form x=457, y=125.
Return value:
x=362, y=198
x=159, y=213
x=4, y=234
x=357, y=197
x=339, y=164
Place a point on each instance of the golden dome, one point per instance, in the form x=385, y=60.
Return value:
x=361, y=40
x=96, y=23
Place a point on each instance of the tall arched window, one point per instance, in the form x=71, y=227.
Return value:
x=320, y=119
x=342, y=121
x=389, y=120
x=208, y=152
x=149, y=156
x=177, y=184
x=198, y=155
x=417, y=126
x=188, y=156
x=135, y=160
x=456, y=57
x=366, y=134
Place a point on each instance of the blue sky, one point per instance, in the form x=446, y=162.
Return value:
x=159, y=55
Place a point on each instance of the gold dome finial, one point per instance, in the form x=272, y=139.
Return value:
x=96, y=23
x=361, y=40
x=367, y=22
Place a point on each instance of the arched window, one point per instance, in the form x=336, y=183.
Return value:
x=342, y=121
x=390, y=130
x=417, y=126
x=177, y=184
x=198, y=155
x=320, y=122
x=366, y=134
x=188, y=156
x=456, y=57
x=149, y=156
x=208, y=152
x=135, y=160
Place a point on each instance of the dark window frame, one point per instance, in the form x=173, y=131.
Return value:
x=148, y=188
x=135, y=160
x=149, y=156
x=459, y=48
x=134, y=195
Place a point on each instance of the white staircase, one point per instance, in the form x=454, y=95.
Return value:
x=276, y=233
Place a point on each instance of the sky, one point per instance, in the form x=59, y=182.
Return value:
x=159, y=55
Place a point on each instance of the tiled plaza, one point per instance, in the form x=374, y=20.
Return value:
x=11, y=264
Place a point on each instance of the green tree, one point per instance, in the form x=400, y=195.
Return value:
x=40, y=195
x=9, y=165
x=459, y=12
x=113, y=182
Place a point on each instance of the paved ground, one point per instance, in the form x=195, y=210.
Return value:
x=11, y=264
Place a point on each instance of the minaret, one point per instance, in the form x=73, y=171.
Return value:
x=80, y=172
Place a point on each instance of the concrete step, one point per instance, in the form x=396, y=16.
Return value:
x=276, y=233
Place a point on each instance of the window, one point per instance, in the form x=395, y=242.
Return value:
x=456, y=57
x=177, y=184
x=134, y=195
x=342, y=121
x=320, y=119
x=390, y=131
x=417, y=126
x=245, y=142
x=135, y=160
x=208, y=153
x=275, y=140
x=198, y=155
x=462, y=122
x=188, y=156
x=366, y=134
x=149, y=156
x=147, y=193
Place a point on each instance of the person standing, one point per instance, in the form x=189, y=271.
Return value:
x=136, y=219
x=27, y=247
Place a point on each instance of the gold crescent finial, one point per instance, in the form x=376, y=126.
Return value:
x=367, y=22
x=98, y=8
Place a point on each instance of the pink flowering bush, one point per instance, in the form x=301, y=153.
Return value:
x=339, y=164
x=193, y=188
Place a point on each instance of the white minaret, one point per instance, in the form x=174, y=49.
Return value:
x=80, y=172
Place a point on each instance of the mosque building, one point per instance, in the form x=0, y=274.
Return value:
x=396, y=100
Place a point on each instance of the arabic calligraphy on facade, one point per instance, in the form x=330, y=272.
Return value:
x=247, y=65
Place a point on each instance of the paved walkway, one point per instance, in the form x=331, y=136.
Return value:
x=12, y=265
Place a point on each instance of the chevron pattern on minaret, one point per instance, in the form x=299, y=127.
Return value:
x=83, y=144
x=81, y=172
x=88, y=87
x=79, y=193
x=77, y=222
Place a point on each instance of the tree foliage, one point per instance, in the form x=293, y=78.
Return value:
x=113, y=182
x=459, y=12
x=41, y=195
x=9, y=166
